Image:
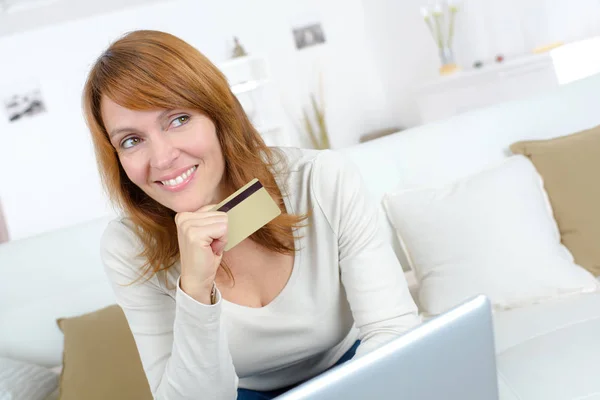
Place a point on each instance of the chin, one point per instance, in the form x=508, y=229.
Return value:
x=189, y=200
x=186, y=206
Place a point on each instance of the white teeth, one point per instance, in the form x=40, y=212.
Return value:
x=180, y=178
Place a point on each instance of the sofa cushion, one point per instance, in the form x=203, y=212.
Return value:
x=550, y=350
x=45, y=277
x=570, y=166
x=490, y=233
x=25, y=381
x=100, y=359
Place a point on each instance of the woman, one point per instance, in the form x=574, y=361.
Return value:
x=304, y=293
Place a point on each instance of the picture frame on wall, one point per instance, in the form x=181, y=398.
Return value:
x=22, y=100
x=308, y=35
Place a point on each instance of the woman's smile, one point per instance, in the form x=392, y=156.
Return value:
x=177, y=181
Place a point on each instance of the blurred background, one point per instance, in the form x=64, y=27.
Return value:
x=323, y=74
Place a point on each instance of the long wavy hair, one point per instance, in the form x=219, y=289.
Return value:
x=149, y=70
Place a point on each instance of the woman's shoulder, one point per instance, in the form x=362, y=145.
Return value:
x=298, y=159
x=121, y=251
x=324, y=173
x=293, y=159
x=326, y=176
x=120, y=246
x=120, y=232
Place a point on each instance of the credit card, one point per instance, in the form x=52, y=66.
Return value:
x=248, y=209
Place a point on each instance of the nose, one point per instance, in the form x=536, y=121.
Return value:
x=163, y=152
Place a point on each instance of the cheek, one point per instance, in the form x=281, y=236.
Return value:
x=135, y=170
x=205, y=146
x=214, y=152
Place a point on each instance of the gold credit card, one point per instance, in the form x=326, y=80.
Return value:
x=248, y=209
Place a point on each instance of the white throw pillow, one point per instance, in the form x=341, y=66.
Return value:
x=491, y=233
x=23, y=381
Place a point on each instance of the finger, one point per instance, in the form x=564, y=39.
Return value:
x=207, y=207
x=218, y=246
x=205, y=235
x=183, y=218
x=197, y=227
x=178, y=218
x=193, y=223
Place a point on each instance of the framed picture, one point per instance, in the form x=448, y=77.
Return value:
x=22, y=101
x=308, y=35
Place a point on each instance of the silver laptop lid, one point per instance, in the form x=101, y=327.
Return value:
x=450, y=357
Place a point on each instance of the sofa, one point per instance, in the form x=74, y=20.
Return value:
x=547, y=349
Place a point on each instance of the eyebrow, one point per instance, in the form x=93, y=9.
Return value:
x=118, y=131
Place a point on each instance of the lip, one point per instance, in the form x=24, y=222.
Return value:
x=178, y=187
x=174, y=174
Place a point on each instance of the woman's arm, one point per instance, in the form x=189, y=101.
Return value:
x=182, y=343
x=372, y=276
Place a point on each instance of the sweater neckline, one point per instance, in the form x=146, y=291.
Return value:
x=279, y=177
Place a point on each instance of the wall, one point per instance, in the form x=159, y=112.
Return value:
x=26, y=17
x=514, y=27
x=403, y=52
x=377, y=53
x=406, y=55
x=48, y=177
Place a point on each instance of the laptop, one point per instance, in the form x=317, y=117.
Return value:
x=451, y=357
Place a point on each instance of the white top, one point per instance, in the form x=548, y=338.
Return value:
x=346, y=284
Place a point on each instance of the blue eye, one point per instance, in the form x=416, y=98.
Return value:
x=181, y=120
x=130, y=142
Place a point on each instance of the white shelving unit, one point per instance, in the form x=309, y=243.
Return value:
x=510, y=80
x=249, y=78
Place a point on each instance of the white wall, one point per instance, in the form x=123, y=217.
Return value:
x=515, y=27
x=48, y=177
x=406, y=56
x=377, y=53
x=27, y=15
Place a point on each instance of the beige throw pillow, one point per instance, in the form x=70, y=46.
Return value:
x=570, y=167
x=100, y=359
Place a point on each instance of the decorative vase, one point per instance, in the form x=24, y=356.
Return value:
x=448, y=65
x=440, y=19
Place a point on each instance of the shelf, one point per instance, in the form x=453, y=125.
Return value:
x=244, y=69
x=236, y=62
x=248, y=86
x=246, y=75
x=508, y=81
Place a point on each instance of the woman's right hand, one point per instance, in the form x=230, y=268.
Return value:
x=202, y=236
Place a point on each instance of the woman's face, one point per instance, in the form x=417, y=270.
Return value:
x=174, y=156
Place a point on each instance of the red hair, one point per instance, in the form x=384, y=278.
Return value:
x=149, y=70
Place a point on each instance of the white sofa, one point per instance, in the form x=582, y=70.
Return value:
x=549, y=351
x=546, y=351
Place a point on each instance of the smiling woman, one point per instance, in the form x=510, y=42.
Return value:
x=297, y=297
x=154, y=105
